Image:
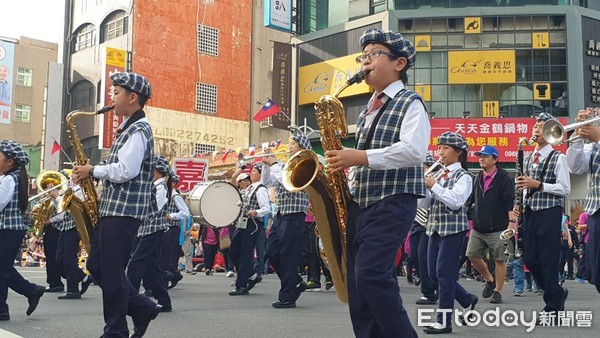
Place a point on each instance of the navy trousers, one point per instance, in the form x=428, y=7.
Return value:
x=284, y=251
x=10, y=243
x=419, y=242
x=541, y=252
x=374, y=299
x=144, y=264
x=109, y=254
x=169, y=248
x=443, y=256
x=241, y=251
x=66, y=257
x=52, y=267
x=592, y=251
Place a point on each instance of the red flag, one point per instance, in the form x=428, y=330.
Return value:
x=252, y=149
x=225, y=155
x=277, y=143
x=55, y=148
x=269, y=109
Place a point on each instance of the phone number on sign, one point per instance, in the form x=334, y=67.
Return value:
x=194, y=136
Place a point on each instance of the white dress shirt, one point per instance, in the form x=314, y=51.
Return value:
x=410, y=151
x=262, y=196
x=7, y=191
x=562, y=187
x=456, y=197
x=184, y=211
x=161, y=193
x=130, y=156
x=578, y=156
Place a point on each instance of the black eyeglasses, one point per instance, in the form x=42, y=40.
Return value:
x=373, y=55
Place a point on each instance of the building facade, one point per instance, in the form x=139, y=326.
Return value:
x=197, y=59
x=24, y=65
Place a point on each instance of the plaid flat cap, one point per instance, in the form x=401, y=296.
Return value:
x=302, y=140
x=453, y=139
x=133, y=82
x=162, y=164
x=429, y=160
x=175, y=178
x=544, y=117
x=392, y=40
x=13, y=150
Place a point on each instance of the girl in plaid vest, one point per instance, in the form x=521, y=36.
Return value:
x=144, y=261
x=547, y=182
x=124, y=204
x=447, y=227
x=583, y=158
x=13, y=225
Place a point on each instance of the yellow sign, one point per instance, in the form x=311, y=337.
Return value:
x=116, y=57
x=541, y=91
x=423, y=43
x=476, y=67
x=491, y=108
x=540, y=40
x=424, y=91
x=473, y=25
x=324, y=78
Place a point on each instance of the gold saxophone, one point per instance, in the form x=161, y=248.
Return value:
x=84, y=211
x=328, y=192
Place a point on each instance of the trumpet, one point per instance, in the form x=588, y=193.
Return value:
x=554, y=132
x=246, y=158
x=436, y=170
x=44, y=180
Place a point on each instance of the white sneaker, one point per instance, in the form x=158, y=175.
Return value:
x=230, y=274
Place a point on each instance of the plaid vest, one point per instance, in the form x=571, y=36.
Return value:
x=12, y=218
x=371, y=185
x=172, y=209
x=66, y=224
x=291, y=202
x=543, y=200
x=251, y=202
x=592, y=201
x=444, y=220
x=132, y=198
x=157, y=218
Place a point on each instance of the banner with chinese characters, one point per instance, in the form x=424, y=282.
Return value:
x=479, y=66
x=191, y=171
x=282, y=84
x=115, y=60
x=7, y=59
x=502, y=133
x=324, y=78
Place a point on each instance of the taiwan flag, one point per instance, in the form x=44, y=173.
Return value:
x=55, y=148
x=269, y=109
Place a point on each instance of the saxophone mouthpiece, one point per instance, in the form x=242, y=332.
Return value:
x=358, y=77
x=105, y=109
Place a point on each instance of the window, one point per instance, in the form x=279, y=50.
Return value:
x=206, y=98
x=203, y=149
x=82, y=95
x=24, y=77
x=114, y=25
x=84, y=38
x=208, y=40
x=22, y=113
x=378, y=6
x=268, y=122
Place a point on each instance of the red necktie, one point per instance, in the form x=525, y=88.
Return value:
x=445, y=174
x=377, y=103
x=536, y=158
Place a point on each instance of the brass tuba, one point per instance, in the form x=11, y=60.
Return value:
x=328, y=193
x=84, y=211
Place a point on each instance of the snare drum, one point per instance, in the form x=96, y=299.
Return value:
x=216, y=203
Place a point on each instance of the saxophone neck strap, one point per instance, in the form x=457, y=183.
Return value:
x=373, y=125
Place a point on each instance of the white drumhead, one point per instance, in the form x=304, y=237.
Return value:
x=216, y=203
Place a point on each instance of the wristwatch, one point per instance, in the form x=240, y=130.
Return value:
x=91, y=173
x=541, y=187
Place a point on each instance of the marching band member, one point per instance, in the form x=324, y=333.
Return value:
x=13, y=226
x=67, y=249
x=547, y=182
x=241, y=252
x=53, y=278
x=284, y=244
x=144, y=261
x=583, y=158
x=447, y=227
x=125, y=202
x=388, y=182
x=169, y=254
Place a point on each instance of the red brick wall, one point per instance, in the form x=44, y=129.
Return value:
x=165, y=50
